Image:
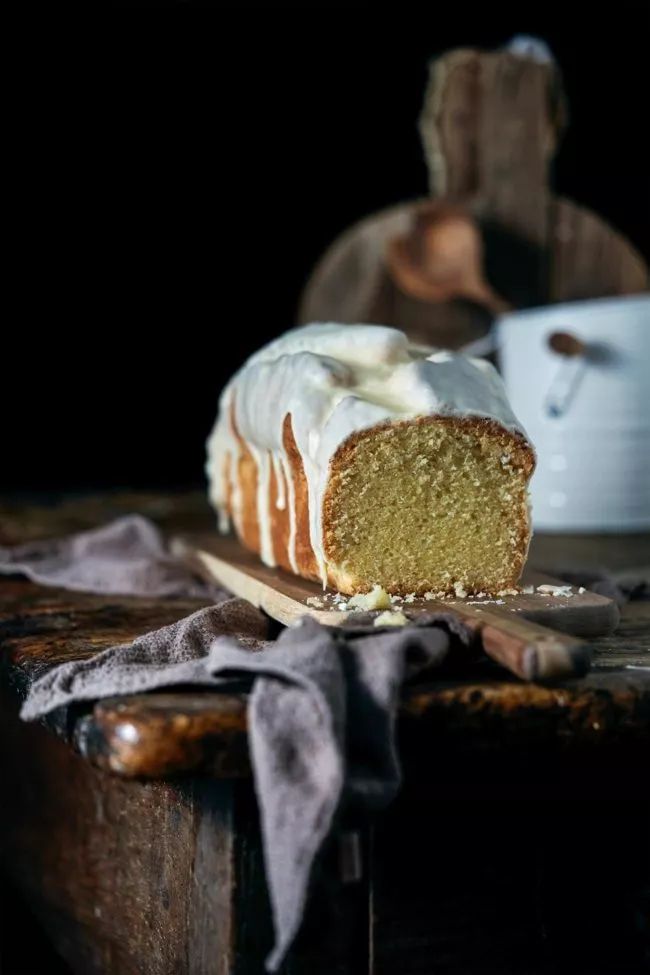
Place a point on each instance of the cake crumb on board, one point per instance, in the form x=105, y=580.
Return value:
x=377, y=598
x=390, y=619
x=556, y=590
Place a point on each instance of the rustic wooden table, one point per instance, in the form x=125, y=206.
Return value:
x=519, y=842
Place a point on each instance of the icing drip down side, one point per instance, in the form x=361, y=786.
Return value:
x=332, y=380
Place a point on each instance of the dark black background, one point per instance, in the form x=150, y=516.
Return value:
x=176, y=169
x=179, y=169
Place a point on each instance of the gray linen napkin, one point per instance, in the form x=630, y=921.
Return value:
x=127, y=557
x=321, y=712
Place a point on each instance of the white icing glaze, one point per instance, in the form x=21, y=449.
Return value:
x=334, y=380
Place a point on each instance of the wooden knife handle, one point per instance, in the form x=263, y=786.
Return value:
x=528, y=650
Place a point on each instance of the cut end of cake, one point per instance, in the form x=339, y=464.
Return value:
x=439, y=505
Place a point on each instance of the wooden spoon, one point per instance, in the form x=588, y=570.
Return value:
x=442, y=259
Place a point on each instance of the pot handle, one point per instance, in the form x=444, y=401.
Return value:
x=571, y=350
x=565, y=384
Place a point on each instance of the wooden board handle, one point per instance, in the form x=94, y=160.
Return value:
x=528, y=650
x=490, y=117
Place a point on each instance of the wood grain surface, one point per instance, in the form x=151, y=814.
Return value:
x=154, y=877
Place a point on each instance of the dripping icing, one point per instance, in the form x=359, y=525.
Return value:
x=262, y=460
x=292, y=509
x=280, y=494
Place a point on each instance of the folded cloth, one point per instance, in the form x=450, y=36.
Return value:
x=127, y=557
x=321, y=712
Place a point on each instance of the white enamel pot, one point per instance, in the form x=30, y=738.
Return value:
x=578, y=378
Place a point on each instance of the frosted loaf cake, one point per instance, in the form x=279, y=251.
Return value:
x=345, y=455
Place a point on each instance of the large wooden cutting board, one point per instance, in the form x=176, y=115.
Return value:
x=533, y=635
x=490, y=125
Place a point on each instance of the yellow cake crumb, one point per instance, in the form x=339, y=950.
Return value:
x=390, y=619
x=556, y=590
x=377, y=598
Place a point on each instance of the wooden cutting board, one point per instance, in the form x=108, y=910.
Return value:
x=490, y=126
x=534, y=635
